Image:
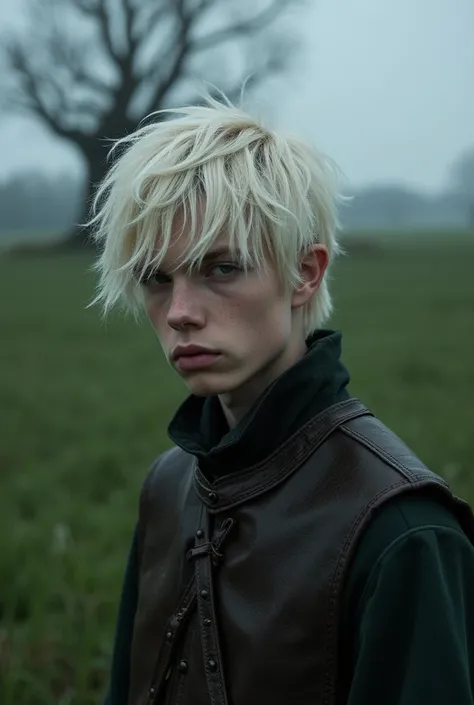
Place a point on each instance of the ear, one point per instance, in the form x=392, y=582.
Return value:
x=312, y=266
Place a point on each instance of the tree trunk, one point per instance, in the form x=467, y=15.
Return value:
x=95, y=151
x=79, y=237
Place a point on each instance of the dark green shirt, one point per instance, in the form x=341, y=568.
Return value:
x=409, y=609
x=407, y=628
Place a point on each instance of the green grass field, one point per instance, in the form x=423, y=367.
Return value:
x=84, y=409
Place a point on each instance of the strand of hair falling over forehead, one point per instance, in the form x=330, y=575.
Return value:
x=224, y=173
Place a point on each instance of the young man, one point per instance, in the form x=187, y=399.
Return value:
x=290, y=550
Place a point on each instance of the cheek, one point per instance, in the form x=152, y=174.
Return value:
x=258, y=312
x=155, y=314
x=150, y=311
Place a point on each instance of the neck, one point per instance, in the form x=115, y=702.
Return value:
x=237, y=403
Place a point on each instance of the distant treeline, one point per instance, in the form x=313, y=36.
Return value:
x=394, y=207
x=40, y=203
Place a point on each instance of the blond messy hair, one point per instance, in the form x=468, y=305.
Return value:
x=226, y=173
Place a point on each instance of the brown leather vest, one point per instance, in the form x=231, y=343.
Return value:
x=268, y=551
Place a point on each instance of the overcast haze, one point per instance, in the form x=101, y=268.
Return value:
x=384, y=86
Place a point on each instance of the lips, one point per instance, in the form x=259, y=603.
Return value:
x=197, y=361
x=193, y=357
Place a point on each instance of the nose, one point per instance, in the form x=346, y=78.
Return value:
x=184, y=307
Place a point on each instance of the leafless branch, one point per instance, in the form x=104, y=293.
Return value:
x=124, y=58
x=70, y=57
x=248, y=26
x=147, y=18
x=97, y=9
x=31, y=84
x=187, y=12
x=67, y=70
x=129, y=17
x=139, y=52
x=270, y=63
x=88, y=7
x=53, y=95
x=177, y=64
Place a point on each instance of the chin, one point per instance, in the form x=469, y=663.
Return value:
x=202, y=385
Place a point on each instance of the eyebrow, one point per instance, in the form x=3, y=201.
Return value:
x=208, y=257
x=218, y=252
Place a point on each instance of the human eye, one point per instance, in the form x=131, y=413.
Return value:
x=224, y=270
x=154, y=278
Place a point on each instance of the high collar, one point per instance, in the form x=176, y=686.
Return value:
x=315, y=382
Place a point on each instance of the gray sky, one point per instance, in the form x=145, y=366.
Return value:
x=386, y=87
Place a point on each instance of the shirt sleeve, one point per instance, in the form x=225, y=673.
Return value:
x=414, y=635
x=120, y=668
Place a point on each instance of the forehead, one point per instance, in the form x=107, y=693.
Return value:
x=177, y=254
x=187, y=242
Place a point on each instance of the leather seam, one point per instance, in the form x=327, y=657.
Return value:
x=349, y=547
x=292, y=464
x=383, y=454
x=333, y=616
x=304, y=431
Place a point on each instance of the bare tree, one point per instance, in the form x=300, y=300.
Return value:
x=90, y=70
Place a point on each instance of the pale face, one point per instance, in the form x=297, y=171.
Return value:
x=245, y=321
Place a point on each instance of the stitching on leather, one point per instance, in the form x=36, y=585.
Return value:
x=303, y=431
x=331, y=621
x=292, y=464
x=203, y=640
x=290, y=467
x=204, y=575
x=384, y=454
